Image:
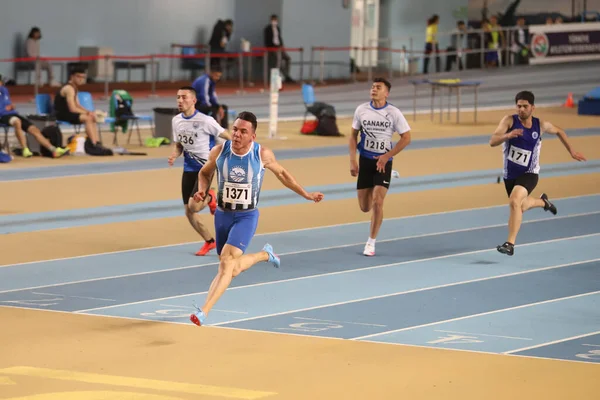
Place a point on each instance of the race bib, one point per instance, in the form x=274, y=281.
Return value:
x=519, y=156
x=237, y=193
x=374, y=145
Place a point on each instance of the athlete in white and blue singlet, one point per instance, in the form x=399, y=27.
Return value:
x=521, y=137
x=240, y=164
x=377, y=121
x=194, y=134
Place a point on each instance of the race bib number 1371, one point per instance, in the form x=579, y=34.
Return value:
x=237, y=193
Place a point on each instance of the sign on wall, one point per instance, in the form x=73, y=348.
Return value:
x=564, y=42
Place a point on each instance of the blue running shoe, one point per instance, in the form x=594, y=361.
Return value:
x=198, y=317
x=273, y=258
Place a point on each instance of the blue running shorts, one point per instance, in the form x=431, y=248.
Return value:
x=235, y=228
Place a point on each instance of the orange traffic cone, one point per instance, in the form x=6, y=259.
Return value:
x=569, y=103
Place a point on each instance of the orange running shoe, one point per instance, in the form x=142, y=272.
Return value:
x=206, y=248
x=212, y=204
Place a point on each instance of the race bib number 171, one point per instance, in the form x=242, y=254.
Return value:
x=519, y=156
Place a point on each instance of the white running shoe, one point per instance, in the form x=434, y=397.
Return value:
x=369, y=250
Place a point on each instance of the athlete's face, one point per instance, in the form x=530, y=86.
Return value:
x=242, y=134
x=524, y=109
x=379, y=91
x=185, y=100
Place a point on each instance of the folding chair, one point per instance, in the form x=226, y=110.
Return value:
x=123, y=120
x=312, y=106
x=308, y=96
x=44, y=109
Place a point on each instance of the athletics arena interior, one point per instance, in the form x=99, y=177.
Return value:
x=98, y=274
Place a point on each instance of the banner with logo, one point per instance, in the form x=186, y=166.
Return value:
x=564, y=42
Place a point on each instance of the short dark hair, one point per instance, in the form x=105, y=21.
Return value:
x=215, y=68
x=191, y=89
x=274, y=16
x=77, y=70
x=248, y=116
x=384, y=81
x=525, y=95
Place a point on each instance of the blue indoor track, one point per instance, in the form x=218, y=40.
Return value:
x=436, y=281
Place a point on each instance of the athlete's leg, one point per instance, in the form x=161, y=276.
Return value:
x=517, y=198
x=196, y=223
x=233, y=261
x=379, y=193
x=365, y=199
x=532, y=202
x=381, y=182
x=364, y=184
x=17, y=125
x=189, y=186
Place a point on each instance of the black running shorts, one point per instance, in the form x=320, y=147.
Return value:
x=369, y=177
x=189, y=185
x=527, y=180
x=25, y=123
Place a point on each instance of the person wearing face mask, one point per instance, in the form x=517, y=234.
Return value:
x=272, y=38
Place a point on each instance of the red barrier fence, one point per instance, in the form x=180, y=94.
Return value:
x=244, y=57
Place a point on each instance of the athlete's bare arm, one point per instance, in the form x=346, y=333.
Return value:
x=72, y=101
x=206, y=173
x=548, y=127
x=500, y=136
x=352, y=146
x=177, y=150
x=384, y=158
x=225, y=135
x=270, y=163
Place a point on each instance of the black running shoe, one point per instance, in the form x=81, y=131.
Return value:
x=507, y=248
x=548, y=206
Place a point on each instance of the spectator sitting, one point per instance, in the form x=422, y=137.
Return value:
x=207, y=101
x=67, y=107
x=32, y=49
x=9, y=116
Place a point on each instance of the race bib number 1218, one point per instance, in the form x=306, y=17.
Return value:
x=374, y=145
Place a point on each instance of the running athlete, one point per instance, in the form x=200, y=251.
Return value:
x=376, y=121
x=521, y=138
x=240, y=164
x=194, y=134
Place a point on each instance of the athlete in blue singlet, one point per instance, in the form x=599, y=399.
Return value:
x=521, y=137
x=240, y=164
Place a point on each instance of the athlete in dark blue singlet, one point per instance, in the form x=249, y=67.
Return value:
x=240, y=164
x=521, y=138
